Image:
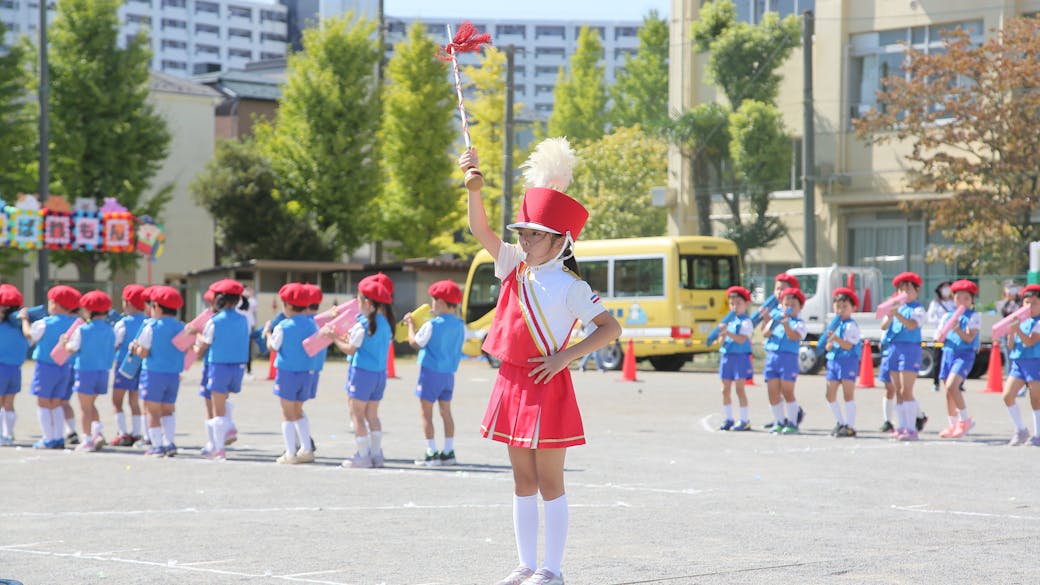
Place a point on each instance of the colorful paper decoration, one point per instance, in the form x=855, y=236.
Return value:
x=87, y=231
x=58, y=226
x=150, y=237
x=118, y=232
x=26, y=228
x=57, y=230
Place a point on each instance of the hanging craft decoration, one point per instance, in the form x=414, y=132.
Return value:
x=25, y=223
x=61, y=226
x=57, y=224
x=150, y=237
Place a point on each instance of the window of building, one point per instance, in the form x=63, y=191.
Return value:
x=520, y=89
x=544, y=108
x=173, y=23
x=203, y=68
x=436, y=30
x=272, y=15
x=625, y=32
x=547, y=31
x=546, y=70
x=209, y=29
x=396, y=27
x=543, y=89
x=169, y=65
x=11, y=26
x=266, y=36
x=241, y=53
x=240, y=12
x=9, y=4
x=270, y=56
x=752, y=11
x=592, y=29
x=172, y=44
x=174, y=3
x=206, y=7
x=519, y=70
x=138, y=19
x=240, y=33
x=549, y=52
x=511, y=29
x=207, y=50
x=621, y=53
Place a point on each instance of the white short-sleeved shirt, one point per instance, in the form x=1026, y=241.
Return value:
x=120, y=330
x=145, y=338
x=274, y=339
x=356, y=335
x=36, y=330
x=851, y=333
x=207, y=333
x=422, y=336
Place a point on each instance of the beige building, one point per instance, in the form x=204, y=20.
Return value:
x=858, y=187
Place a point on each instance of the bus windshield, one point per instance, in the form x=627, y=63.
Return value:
x=483, y=292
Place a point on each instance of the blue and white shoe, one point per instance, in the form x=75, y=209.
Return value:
x=41, y=444
x=6, y=441
x=726, y=425
x=156, y=451
x=744, y=425
x=170, y=450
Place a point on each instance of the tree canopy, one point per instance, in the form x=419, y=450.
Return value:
x=580, y=97
x=638, y=93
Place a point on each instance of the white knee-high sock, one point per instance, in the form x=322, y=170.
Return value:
x=121, y=422
x=289, y=436
x=169, y=429
x=792, y=412
x=377, y=441
x=6, y=422
x=778, y=412
x=836, y=411
x=1036, y=423
x=211, y=443
x=44, y=415
x=1016, y=417
x=229, y=408
x=850, y=414
x=888, y=408
x=525, y=528
x=139, y=424
x=556, y=520
x=57, y=420
x=303, y=429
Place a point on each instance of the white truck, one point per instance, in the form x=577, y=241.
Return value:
x=819, y=282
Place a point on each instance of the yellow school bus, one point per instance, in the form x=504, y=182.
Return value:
x=667, y=293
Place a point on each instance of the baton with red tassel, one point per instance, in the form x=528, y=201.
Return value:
x=465, y=40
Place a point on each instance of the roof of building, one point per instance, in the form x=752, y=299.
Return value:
x=166, y=83
x=236, y=83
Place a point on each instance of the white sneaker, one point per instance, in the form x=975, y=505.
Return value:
x=544, y=577
x=358, y=461
x=517, y=577
x=287, y=459
x=1019, y=438
x=303, y=456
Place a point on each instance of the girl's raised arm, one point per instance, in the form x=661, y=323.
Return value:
x=478, y=222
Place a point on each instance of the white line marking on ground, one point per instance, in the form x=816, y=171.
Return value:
x=28, y=544
x=922, y=510
x=704, y=423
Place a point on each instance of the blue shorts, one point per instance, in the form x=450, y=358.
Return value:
x=956, y=362
x=883, y=373
x=435, y=386
x=365, y=385
x=314, y=384
x=91, y=382
x=906, y=357
x=294, y=386
x=52, y=381
x=204, y=381
x=841, y=368
x=160, y=386
x=781, y=364
x=10, y=379
x=1027, y=369
x=735, y=366
x=121, y=382
x=224, y=378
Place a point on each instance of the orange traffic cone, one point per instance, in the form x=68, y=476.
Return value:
x=866, y=301
x=391, y=371
x=272, y=371
x=866, y=368
x=628, y=367
x=751, y=379
x=994, y=372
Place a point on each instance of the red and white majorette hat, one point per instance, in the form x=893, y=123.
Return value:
x=546, y=207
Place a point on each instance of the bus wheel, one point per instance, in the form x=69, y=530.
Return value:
x=929, y=362
x=808, y=361
x=493, y=361
x=612, y=356
x=668, y=363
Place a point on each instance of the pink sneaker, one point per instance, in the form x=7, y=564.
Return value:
x=897, y=433
x=910, y=435
x=963, y=426
x=949, y=431
x=231, y=436
x=86, y=445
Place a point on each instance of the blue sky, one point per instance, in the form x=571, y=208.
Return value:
x=527, y=9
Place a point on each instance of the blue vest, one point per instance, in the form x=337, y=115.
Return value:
x=730, y=346
x=901, y=334
x=374, y=348
x=56, y=325
x=1021, y=352
x=163, y=355
x=97, y=348
x=444, y=350
x=230, y=338
x=291, y=355
x=954, y=341
x=837, y=352
x=13, y=344
x=778, y=340
x=131, y=327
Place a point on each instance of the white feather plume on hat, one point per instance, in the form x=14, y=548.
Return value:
x=551, y=165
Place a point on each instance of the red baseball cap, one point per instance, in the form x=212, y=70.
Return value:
x=134, y=294
x=295, y=294
x=66, y=296
x=793, y=292
x=227, y=287
x=166, y=296
x=447, y=291
x=96, y=301
x=965, y=286
x=10, y=296
x=374, y=289
x=849, y=293
x=788, y=279
x=911, y=277
x=740, y=291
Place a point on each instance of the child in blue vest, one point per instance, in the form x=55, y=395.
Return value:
x=368, y=341
x=314, y=296
x=439, y=342
x=94, y=344
x=786, y=332
x=225, y=341
x=904, y=359
x=50, y=381
x=13, y=348
x=161, y=368
x=735, y=358
x=958, y=356
x=208, y=297
x=843, y=356
x=1025, y=368
x=125, y=387
x=765, y=315
x=292, y=383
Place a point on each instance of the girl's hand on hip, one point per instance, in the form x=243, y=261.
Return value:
x=548, y=366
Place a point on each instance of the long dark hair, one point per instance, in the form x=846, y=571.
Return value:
x=224, y=301
x=7, y=312
x=387, y=308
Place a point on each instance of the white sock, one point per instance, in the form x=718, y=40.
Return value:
x=6, y=422
x=44, y=414
x=229, y=408
x=962, y=414
x=377, y=441
x=727, y=411
x=744, y=413
x=364, y=446
x=525, y=528
x=220, y=429
x=792, y=412
x=431, y=445
x=12, y=416
x=121, y=422
x=70, y=423
x=556, y=519
x=449, y=444
x=1036, y=423
x=953, y=420
x=57, y=420
x=139, y=424
x=289, y=436
x=901, y=415
x=95, y=428
x=211, y=442
x=155, y=434
x=303, y=429
x=1016, y=417
x=836, y=410
x=888, y=408
x=169, y=429
x=778, y=412
x=850, y=414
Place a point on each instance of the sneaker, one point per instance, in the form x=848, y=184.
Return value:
x=948, y=431
x=123, y=440
x=431, y=459
x=726, y=425
x=544, y=577
x=287, y=459
x=231, y=437
x=448, y=458
x=304, y=456
x=847, y=431
x=517, y=577
x=170, y=450
x=887, y=427
x=898, y=433
x=72, y=438
x=206, y=450
x=359, y=461
x=41, y=444
x=314, y=447
x=801, y=415
x=1019, y=438
x=99, y=442
x=6, y=441
x=141, y=441
x=910, y=435
x=56, y=444
x=836, y=431
x=790, y=429
x=922, y=419
x=1035, y=441
x=963, y=427
x=744, y=425
x=87, y=445
x=778, y=427
x=768, y=425
x=378, y=460
x=156, y=451
x=217, y=455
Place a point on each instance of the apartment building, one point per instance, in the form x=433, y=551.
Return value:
x=189, y=37
x=859, y=187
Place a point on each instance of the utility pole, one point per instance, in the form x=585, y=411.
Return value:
x=808, y=143
x=43, y=188
x=507, y=142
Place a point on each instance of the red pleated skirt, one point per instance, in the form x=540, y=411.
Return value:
x=521, y=413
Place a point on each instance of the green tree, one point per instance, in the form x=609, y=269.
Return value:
x=638, y=92
x=580, y=98
x=239, y=188
x=703, y=135
x=417, y=130
x=323, y=142
x=18, y=140
x=613, y=180
x=966, y=117
x=107, y=138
